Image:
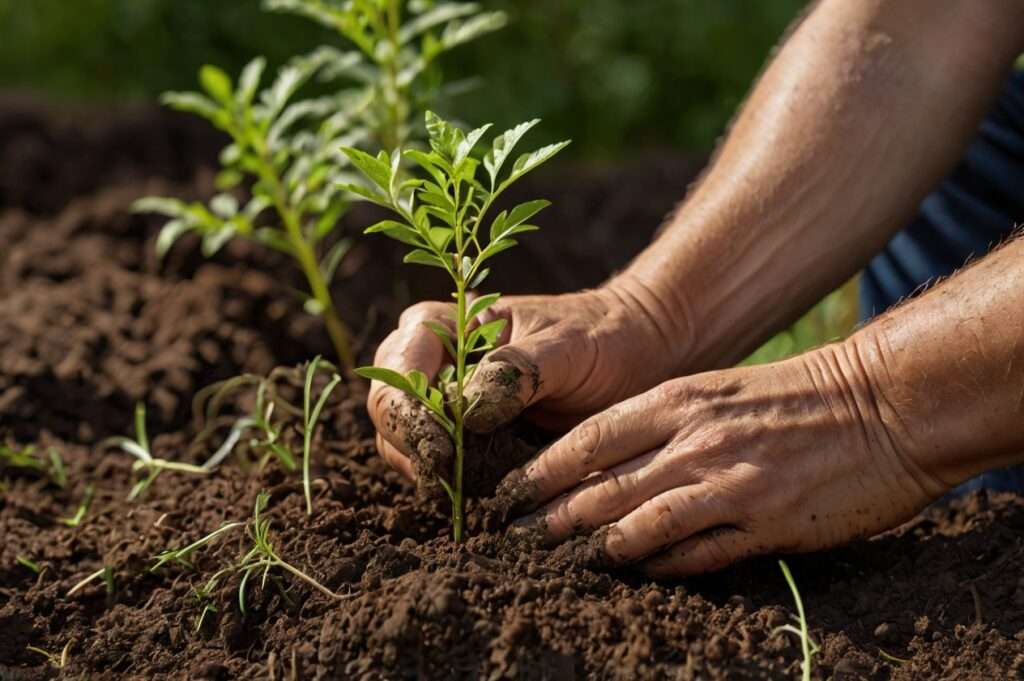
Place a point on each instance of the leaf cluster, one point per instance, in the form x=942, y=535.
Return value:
x=446, y=221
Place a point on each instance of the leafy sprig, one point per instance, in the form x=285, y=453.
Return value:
x=150, y=466
x=258, y=561
x=446, y=220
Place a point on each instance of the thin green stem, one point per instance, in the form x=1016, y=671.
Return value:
x=457, y=408
x=303, y=252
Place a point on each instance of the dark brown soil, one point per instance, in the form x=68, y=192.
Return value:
x=90, y=323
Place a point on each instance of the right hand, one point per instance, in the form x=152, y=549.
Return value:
x=564, y=356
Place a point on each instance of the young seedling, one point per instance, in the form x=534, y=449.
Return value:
x=58, y=661
x=210, y=400
x=28, y=563
x=105, y=573
x=259, y=560
x=289, y=150
x=83, y=508
x=151, y=466
x=444, y=219
x=52, y=466
x=807, y=644
x=310, y=417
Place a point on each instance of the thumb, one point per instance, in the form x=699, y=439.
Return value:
x=517, y=375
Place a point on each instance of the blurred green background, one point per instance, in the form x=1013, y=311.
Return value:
x=619, y=78
x=615, y=76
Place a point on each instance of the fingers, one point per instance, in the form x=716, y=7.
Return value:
x=527, y=369
x=666, y=519
x=396, y=459
x=618, y=434
x=415, y=444
x=706, y=552
x=606, y=496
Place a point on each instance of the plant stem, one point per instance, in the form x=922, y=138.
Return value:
x=391, y=134
x=304, y=577
x=457, y=409
x=336, y=329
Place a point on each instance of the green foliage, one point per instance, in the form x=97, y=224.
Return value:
x=28, y=563
x=83, y=508
x=310, y=417
x=150, y=466
x=807, y=644
x=288, y=148
x=617, y=76
x=106, y=573
x=259, y=559
x=444, y=219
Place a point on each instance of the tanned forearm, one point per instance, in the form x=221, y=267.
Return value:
x=866, y=107
x=942, y=376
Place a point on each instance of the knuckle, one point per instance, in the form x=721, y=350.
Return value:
x=666, y=521
x=611, y=490
x=717, y=551
x=421, y=312
x=668, y=392
x=586, y=440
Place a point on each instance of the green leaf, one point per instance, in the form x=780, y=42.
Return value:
x=442, y=332
x=460, y=32
x=216, y=83
x=428, y=162
x=445, y=138
x=249, y=81
x=192, y=102
x=502, y=147
x=466, y=146
x=440, y=237
x=435, y=16
x=479, y=277
x=224, y=205
x=377, y=170
x=421, y=257
x=524, y=212
x=398, y=231
x=172, y=208
x=214, y=241
x=386, y=376
x=488, y=333
x=418, y=381
x=532, y=160
x=368, y=194
x=481, y=304
x=169, y=234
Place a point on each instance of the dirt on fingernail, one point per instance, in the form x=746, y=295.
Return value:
x=501, y=389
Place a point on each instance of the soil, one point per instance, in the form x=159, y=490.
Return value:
x=90, y=323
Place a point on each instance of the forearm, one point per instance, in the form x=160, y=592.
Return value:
x=865, y=108
x=940, y=380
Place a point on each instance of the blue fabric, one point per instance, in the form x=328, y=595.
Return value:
x=976, y=207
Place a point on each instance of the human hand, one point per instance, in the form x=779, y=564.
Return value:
x=566, y=356
x=703, y=471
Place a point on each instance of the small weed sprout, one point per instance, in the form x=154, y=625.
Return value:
x=58, y=661
x=258, y=560
x=27, y=458
x=151, y=466
x=807, y=644
x=83, y=508
x=28, y=563
x=310, y=417
x=290, y=150
x=267, y=440
x=105, y=573
x=444, y=220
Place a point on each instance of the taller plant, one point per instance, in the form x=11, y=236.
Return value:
x=288, y=151
x=445, y=221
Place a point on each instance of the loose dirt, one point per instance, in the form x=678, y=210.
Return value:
x=90, y=323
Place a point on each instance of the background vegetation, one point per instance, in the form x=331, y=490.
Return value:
x=617, y=77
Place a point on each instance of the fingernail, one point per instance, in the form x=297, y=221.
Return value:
x=614, y=543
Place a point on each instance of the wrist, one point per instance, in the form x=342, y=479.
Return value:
x=853, y=379
x=660, y=323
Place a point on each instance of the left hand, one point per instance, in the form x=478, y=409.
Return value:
x=706, y=470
